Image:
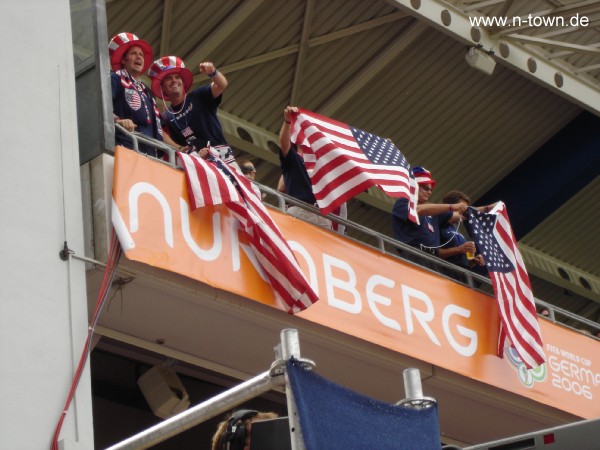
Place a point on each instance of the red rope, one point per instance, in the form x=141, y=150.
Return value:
x=111, y=267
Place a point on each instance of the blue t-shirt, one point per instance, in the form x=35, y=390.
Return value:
x=133, y=100
x=196, y=118
x=426, y=235
x=296, y=178
x=450, y=237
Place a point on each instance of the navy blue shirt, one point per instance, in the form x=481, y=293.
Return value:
x=296, y=178
x=426, y=235
x=133, y=100
x=450, y=238
x=197, y=118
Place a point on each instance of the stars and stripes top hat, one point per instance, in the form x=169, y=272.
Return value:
x=122, y=42
x=166, y=66
x=423, y=176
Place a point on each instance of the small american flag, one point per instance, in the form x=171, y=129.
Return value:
x=496, y=242
x=211, y=182
x=187, y=132
x=133, y=99
x=343, y=161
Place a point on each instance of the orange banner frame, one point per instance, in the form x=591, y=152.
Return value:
x=363, y=292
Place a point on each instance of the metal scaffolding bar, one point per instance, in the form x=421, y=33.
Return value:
x=200, y=413
x=228, y=400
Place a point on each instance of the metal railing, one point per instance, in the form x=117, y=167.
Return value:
x=433, y=264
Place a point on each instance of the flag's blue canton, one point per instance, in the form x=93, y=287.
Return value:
x=379, y=150
x=481, y=227
x=226, y=171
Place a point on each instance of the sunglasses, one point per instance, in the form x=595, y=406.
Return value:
x=426, y=187
x=248, y=169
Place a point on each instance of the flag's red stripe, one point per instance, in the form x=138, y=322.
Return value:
x=522, y=310
x=515, y=299
x=268, y=244
x=516, y=326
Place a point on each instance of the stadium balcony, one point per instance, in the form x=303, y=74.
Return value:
x=378, y=313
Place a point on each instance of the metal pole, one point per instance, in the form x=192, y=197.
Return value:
x=412, y=383
x=290, y=347
x=413, y=389
x=217, y=405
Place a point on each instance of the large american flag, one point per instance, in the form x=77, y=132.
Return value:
x=496, y=242
x=211, y=182
x=343, y=161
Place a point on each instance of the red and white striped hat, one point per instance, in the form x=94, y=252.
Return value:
x=122, y=42
x=165, y=66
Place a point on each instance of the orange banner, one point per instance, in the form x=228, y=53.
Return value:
x=362, y=292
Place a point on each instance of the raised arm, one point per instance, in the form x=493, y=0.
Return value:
x=219, y=82
x=284, y=134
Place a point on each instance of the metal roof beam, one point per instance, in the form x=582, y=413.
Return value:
x=358, y=28
x=546, y=267
x=483, y=4
x=455, y=23
x=265, y=57
x=165, y=34
x=224, y=30
x=587, y=68
x=566, y=30
x=562, y=54
x=585, y=49
x=302, y=52
x=585, y=7
x=313, y=42
x=374, y=68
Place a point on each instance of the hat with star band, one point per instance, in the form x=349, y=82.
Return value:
x=423, y=176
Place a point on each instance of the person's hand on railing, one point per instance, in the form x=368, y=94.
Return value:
x=203, y=152
x=127, y=124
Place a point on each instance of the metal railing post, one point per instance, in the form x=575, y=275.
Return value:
x=290, y=347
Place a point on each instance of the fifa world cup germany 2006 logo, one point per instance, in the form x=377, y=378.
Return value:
x=527, y=377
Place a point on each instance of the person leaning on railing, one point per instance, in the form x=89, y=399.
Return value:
x=249, y=171
x=191, y=118
x=134, y=107
x=455, y=248
x=425, y=235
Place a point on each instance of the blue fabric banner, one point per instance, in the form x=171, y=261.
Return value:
x=333, y=417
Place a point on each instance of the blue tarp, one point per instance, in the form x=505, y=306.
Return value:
x=335, y=418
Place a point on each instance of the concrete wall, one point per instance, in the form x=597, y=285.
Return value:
x=43, y=307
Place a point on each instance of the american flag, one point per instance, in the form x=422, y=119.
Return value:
x=211, y=182
x=496, y=242
x=133, y=99
x=343, y=161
